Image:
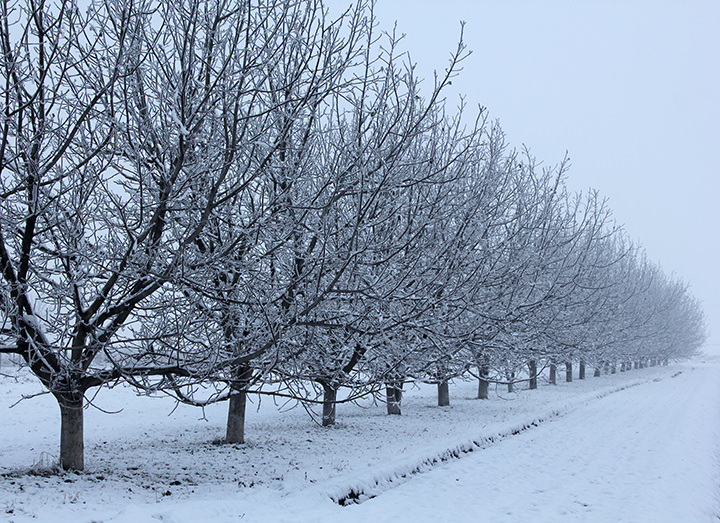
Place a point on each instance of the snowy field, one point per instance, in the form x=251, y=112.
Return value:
x=642, y=446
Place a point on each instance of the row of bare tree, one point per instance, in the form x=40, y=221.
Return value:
x=216, y=197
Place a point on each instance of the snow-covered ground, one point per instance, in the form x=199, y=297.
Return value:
x=637, y=446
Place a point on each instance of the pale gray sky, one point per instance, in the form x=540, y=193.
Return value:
x=630, y=89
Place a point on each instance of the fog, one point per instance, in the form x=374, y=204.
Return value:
x=629, y=90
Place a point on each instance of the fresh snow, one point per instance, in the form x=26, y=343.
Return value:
x=636, y=446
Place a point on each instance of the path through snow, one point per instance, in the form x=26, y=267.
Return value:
x=646, y=454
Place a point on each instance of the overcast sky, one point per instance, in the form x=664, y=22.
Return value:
x=630, y=89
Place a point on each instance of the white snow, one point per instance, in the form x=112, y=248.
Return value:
x=637, y=446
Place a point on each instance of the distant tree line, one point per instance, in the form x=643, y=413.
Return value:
x=216, y=197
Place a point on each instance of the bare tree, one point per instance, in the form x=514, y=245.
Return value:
x=265, y=243
x=60, y=70
x=121, y=132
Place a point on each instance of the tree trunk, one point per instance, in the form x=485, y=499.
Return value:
x=72, y=447
x=568, y=371
x=235, y=429
x=597, y=372
x=581, y=371
x=532, y=370
x=622, y=366
x=483, y=384
x=329, y=403
x=443, y=394
x=235, y=432
x=553, y=374
x=613, y=368
x=394, y=398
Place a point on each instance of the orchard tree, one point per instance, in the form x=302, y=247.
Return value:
x=59, y=260
x=395, y=150
x=264, y=245
x=122, y=132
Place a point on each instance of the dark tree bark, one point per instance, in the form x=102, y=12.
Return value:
x=71, y=434
x=329, y=404
x=394, y=398
x=553, y=374
x=510, y=376
x=443, y=394
x=483, y=384
x=581, y=371
x=532, y=370
x=235, y=432
x=597, y=372
x=568, y=371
